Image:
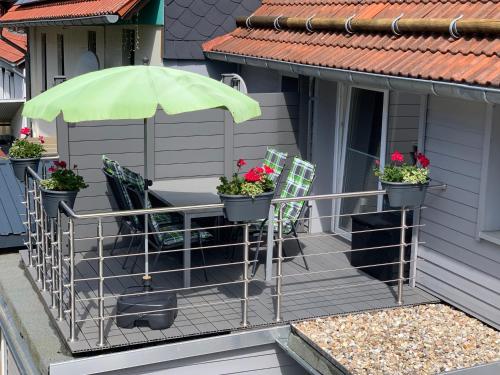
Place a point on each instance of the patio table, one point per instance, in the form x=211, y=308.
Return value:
x=192, y=192
x=189, y=192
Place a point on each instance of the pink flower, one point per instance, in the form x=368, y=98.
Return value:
x=397, y=157
x=377, y=163
x=42, y=139
x=25, y=131
x=60, y=164
x=52, y=169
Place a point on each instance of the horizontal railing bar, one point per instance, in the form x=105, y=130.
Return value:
x=340, y=269
x=225, y=302
x=346, y=251
x=164, y=290
x=345, y=286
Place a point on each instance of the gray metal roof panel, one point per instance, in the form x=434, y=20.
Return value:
x=189, y=23
x=11, y=196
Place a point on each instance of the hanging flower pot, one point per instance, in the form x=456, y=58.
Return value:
x=247, y=198
x=19, y=166
x=24, y=153
x=63, y=185
x=402, y=194
x=406, y=184
x=245, y=208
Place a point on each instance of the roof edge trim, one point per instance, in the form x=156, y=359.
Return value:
x=438, y=88
x=80, y=21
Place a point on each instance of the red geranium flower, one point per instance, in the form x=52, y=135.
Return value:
x=241, y=163
x=253, y=176
x=42, y=139
x=268, y=169
x=397, y=157
x=377, y=163
x=52, y=170
x=25, y=131
x=422, y=159
x=60, y=164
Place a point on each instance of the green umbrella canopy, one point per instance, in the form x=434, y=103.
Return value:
x=135, y=92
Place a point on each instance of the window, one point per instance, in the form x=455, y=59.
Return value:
x=60, y=54
x=92, y=41
x=128, y=46
x=44, y=60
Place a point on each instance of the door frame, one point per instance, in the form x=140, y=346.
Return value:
x=341, y=135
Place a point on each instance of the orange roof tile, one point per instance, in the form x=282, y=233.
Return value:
x=48, y=10
x=9, y=53
x=471, y=59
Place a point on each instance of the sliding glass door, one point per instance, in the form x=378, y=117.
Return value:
x=364, y=143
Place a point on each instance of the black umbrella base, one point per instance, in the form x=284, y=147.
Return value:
x=137, y=309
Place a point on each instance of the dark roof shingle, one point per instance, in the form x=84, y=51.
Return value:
x=189, y=23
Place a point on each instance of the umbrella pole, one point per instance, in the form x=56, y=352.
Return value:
x=146, y=278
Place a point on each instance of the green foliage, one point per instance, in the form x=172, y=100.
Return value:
x=63, y=179
x=403, y=173
x=24, y=149
x=255, y=182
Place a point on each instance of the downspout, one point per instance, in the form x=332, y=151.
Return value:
x=310, y=116
x=27, y=66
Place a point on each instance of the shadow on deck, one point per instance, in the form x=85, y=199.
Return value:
x=210, y=309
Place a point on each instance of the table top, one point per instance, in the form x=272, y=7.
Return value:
x=187, y=191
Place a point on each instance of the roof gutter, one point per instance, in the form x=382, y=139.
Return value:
x=81, y=21
x=438, y=88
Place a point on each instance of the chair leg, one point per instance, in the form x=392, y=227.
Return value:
x=256, y=259
x=116, y=238
x=132, y=240
x=300, y=246
x=204, y=261
x=137, y=258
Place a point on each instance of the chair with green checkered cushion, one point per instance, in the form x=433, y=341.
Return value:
x=275, y=160
x=164, y=233
x=298, y=184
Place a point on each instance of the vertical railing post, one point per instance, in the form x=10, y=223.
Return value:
x=28, y=218
x=246, y=246
x=52, y=281
x=72, y=298
x=38, y=218
x=279, y=272
x=60, y=259
x=44, y=245
x=101, y=282
x=402, y=248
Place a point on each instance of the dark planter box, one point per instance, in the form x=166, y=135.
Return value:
x=379, y=238
x=51, y=199
x=19, y=166
x=405, y=195
x=246, y=209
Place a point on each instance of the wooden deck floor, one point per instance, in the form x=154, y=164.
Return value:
x=207, y=309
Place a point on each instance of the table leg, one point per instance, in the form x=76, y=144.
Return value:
x=270, y=244
x=187, y=251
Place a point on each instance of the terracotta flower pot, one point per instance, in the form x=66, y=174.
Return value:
x=19, y=166
x=51, y=199
x=246, y=209
x=403, y=194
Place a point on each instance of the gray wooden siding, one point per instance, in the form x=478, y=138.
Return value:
x=403, y=119
x=263, y=360
x=203, y=143
x=452, y=263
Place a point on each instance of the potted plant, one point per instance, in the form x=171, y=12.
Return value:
x=247, y=198
x=24, y=153
x=406, y=184
x=63, y=185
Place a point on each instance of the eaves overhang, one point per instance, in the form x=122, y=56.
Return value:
x=70, y=21
x=422, y=86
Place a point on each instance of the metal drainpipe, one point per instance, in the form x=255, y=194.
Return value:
x=310, y=116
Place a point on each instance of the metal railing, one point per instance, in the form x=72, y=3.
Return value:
x=53, y=245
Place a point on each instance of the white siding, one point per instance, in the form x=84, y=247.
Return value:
x=452, y=263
